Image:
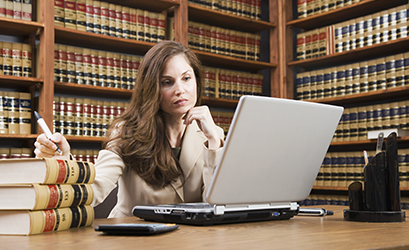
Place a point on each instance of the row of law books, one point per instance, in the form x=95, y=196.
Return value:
x=229, y=84
x=89, y=155
x=110, y=19
x=16, y=9
x=15, y=112
x=355, y=33
x=341, y=200
x=222, y=119
x=45, y=195
x=360, y=77
x=84, y=116
x=15, y=153
x=321, y=199
x=356, y=122
x=221, y=41
x=15, y=59
x=307, y=8
x=94, y=67
x=245, y=8
x=340, y=169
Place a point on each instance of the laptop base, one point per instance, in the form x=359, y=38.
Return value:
x=208, y=218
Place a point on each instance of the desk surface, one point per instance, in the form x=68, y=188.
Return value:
x=300, y=232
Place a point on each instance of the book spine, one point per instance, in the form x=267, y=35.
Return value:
x=117, y=71
x=301, y=46
x=79, y=66
x=17, y=59
x=62, y=195
x=7, y=58
x=70, y=16
x=62, y=51
x=154, y=26
x=118, y=21
x=71, y=74
x=161, y=27
x=81, y=15
x=105, y=18
x=50, y=220
x=89, y=16
x=126, y=23
x=146, y=26
x=130, y=84
x=133, y=23
x=2, y=8
x=26, y=60
x=25, y=113
x=56, y=115
x=97, y=16
x=17, y=9
x=110, y=70
x=9, y=8
x=112, y=21
x=86, y=60
x=13, y=112
x=105, y=117
x=26, y=10
x=140, y=25
x=4, y=124
x=102, y=68
x=69, y=171
x=78, y=117
x=94, y=68
x=68, y=116
x=87, y=119
x=61, y=114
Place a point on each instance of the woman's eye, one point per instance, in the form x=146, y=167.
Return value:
x=166, y=82
x=187, y=78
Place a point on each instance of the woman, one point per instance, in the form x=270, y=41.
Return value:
x=163, y=148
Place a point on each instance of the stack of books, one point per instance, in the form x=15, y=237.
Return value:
x=45, y=195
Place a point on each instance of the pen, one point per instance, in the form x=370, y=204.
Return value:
x=314, y=211
x=366, y=157
x=46, y=130
x=379, y=143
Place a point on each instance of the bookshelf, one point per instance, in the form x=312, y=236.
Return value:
x=42, y=34
x=356, y=9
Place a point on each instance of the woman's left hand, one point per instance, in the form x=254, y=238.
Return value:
x=205, y=122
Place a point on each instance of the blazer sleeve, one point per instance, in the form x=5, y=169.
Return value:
x=109, y=167
x=211, y=158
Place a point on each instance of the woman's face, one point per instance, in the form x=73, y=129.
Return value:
x=178, y=87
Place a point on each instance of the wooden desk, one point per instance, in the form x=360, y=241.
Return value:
x=300, y=232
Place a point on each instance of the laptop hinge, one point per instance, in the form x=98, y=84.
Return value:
x=294, y=206
x=219, y=210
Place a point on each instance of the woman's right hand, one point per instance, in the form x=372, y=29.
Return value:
x=46, y=148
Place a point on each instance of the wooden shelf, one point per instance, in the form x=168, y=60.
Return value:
x=362, y=8
x=225, y=20
x=86, y=139
x=346, y=189
x=372, y=142
x=17, y=27
x=18, y=136
x=229, y=62
x=89, y=90
x=101, y=42
x=393, y=93
x=18, y=81
x=218, y=102
x=360, y=54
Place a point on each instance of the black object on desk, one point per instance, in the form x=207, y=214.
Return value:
x=380, y=199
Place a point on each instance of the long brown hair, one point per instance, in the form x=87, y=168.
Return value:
x=139, y=134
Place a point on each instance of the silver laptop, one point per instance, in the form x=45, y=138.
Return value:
x=271, y=157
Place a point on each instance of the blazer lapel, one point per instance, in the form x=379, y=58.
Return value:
x=191, y=148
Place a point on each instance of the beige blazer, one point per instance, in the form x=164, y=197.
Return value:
x=197, y=162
